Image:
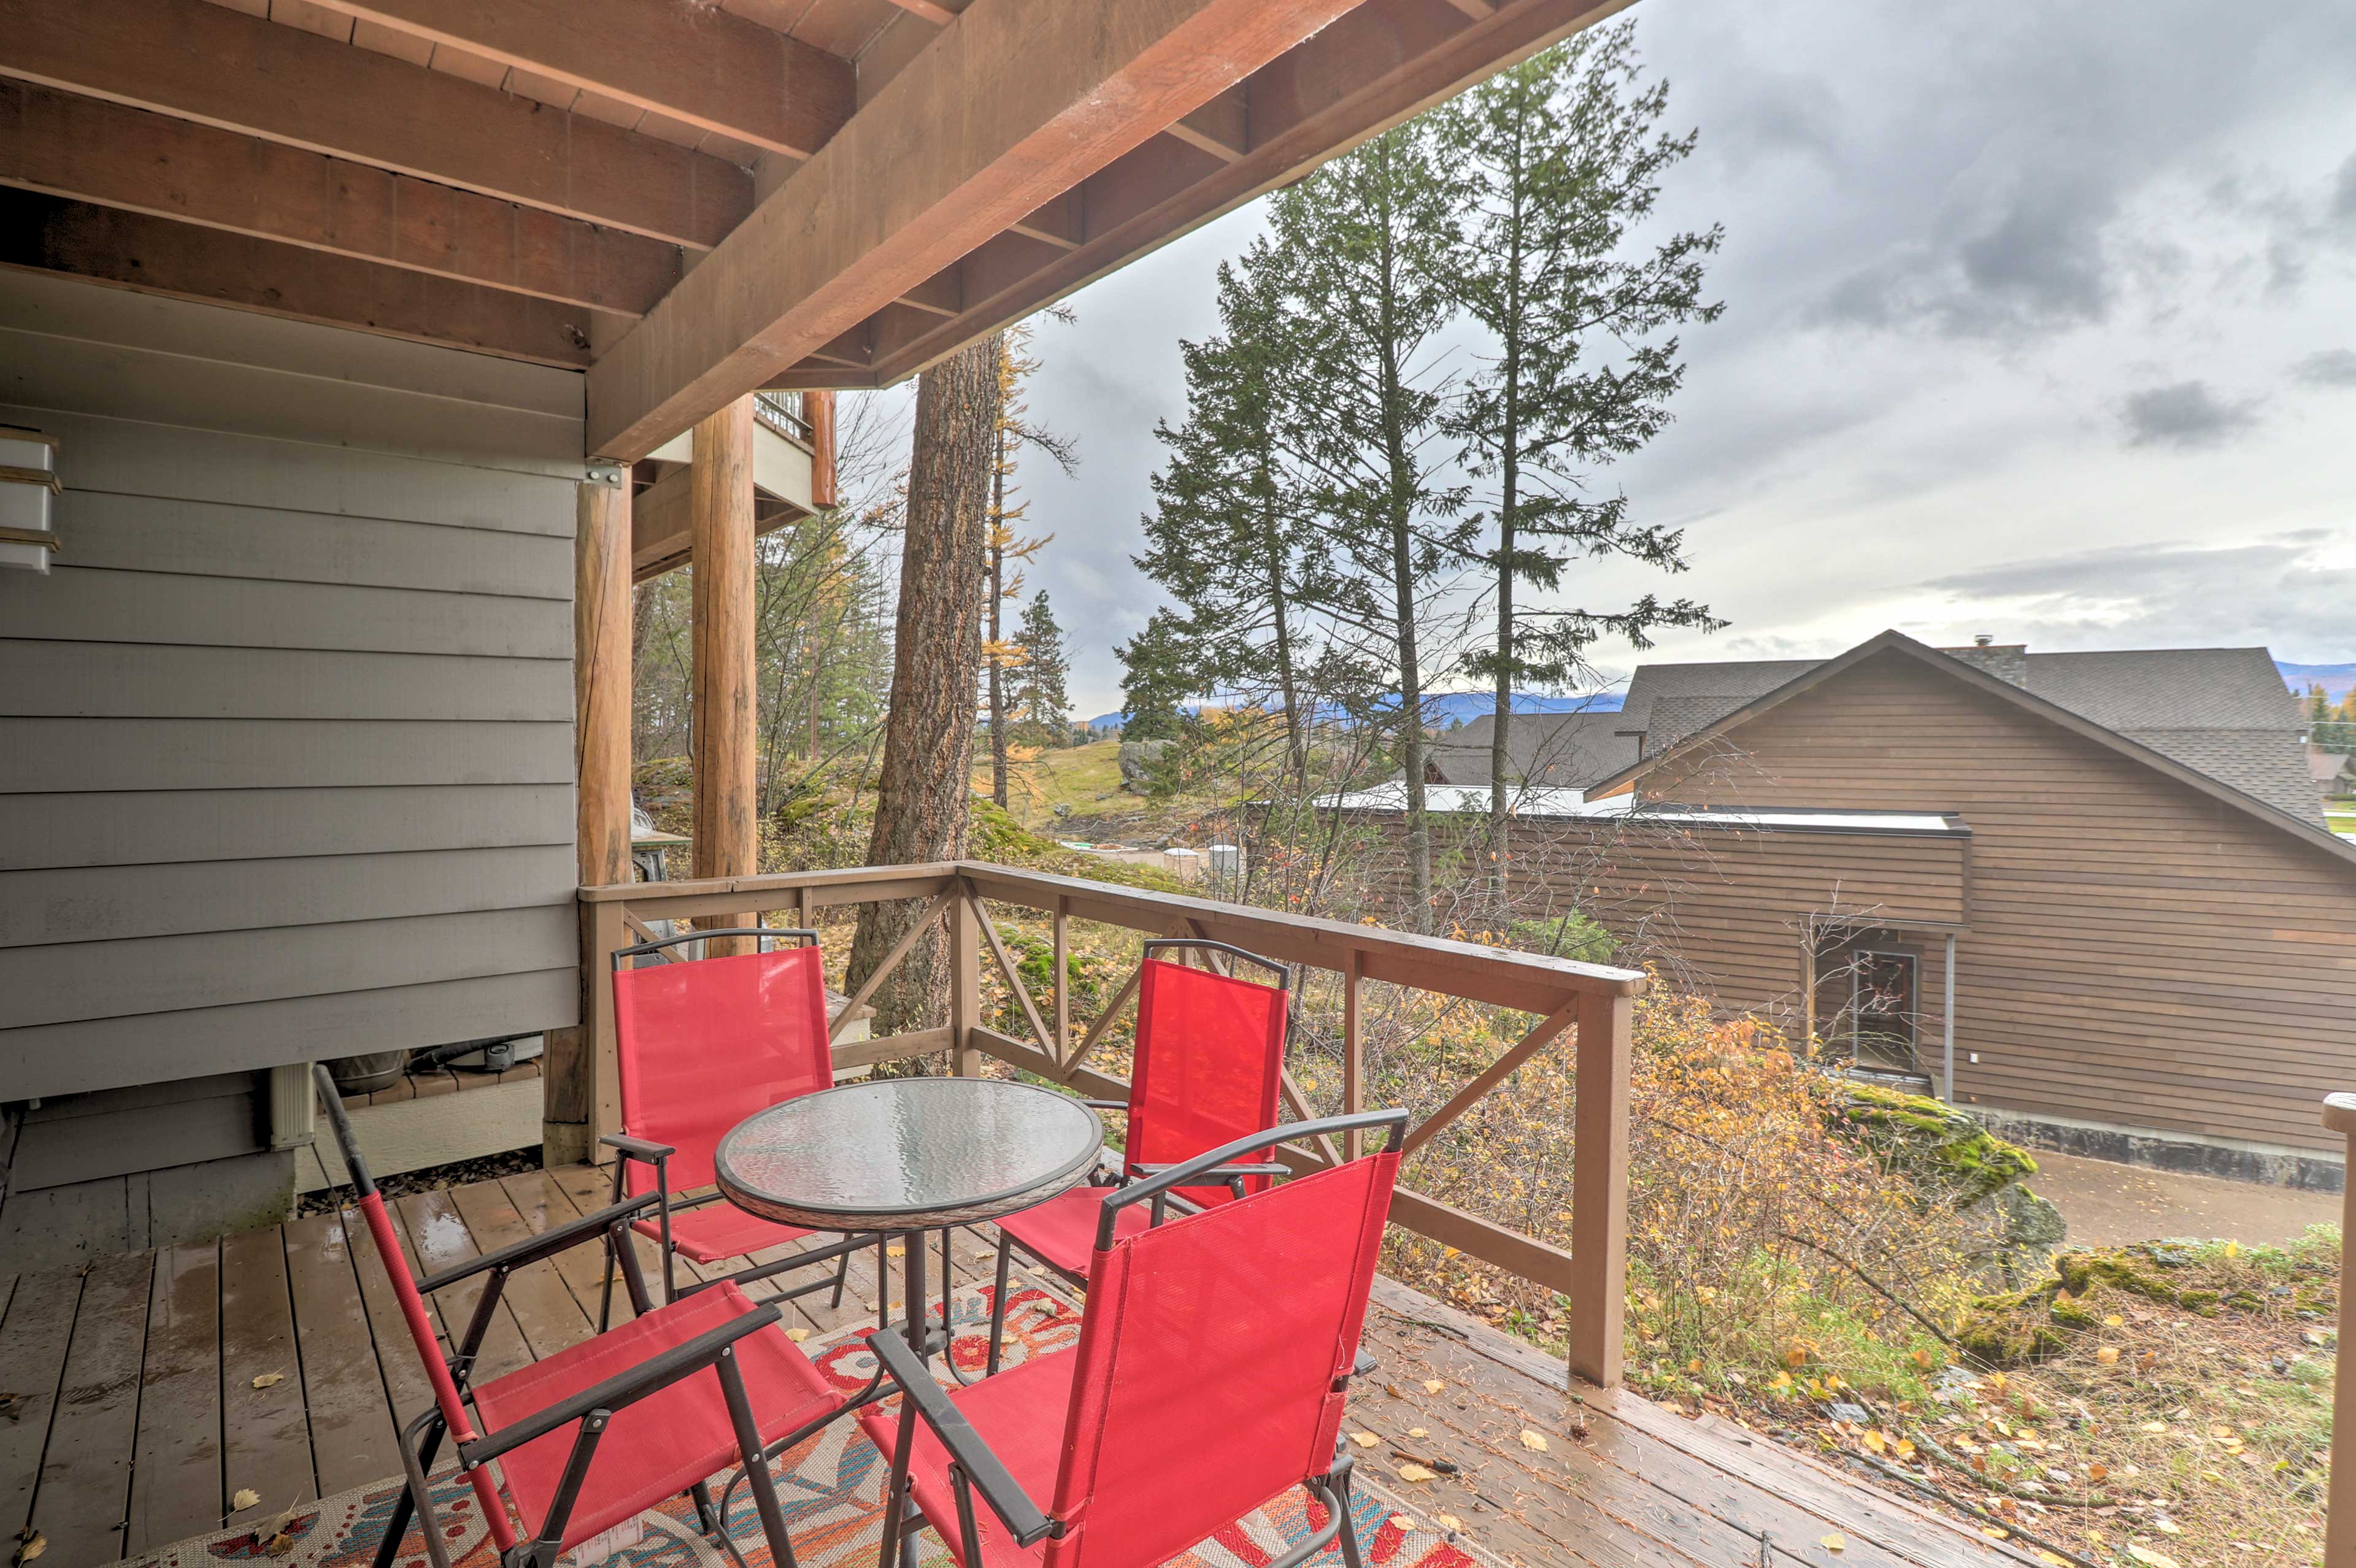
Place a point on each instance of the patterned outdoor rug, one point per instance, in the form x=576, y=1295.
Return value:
x=830, y=1488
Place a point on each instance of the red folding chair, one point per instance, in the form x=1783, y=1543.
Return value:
x=703, y=1043
x=1209, y=1054
x=1214, y=1353
x=605, y=1430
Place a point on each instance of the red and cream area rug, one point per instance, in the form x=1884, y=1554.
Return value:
x=830, y=1488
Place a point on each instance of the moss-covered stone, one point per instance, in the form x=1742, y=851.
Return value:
x=2040, y=1321
x=1930, y=1138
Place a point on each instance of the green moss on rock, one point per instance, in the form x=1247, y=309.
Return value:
x=1929, y=1138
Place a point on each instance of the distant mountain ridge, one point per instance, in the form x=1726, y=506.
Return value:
x=2337, y=680
x=1444, y=709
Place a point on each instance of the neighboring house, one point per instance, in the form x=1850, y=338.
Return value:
x=1552, y=749
x=2334, y=772
x=2126, y=930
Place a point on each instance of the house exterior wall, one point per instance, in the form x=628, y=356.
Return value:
x=2140, y=956
x=286, y=735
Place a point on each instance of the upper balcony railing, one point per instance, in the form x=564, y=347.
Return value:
x=1591, y=1004
x=781, y=412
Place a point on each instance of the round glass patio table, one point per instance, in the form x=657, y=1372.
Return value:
x=904, y=1156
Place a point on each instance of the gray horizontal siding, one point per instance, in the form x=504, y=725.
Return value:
x=65, y=982
x=285, y=738
x=74, y=604
x=124, y=457
x=159, y=826
x=110, y=904
x=49, y=755
x=213, y=539
x=148, y=681
x=66, y=1058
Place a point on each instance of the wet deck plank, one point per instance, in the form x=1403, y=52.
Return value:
x=176, y=1473
x=85, y=1485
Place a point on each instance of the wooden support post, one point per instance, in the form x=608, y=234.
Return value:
x=1062, y=980
x=1947, y=1033
x=1354, y=1055
x=2339, y=1516
x=965, y=985
x=818, y=412
x=601, y=701
x=720, y=526
x=1599, y=1198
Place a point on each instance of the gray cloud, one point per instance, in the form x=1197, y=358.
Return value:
x=2327, y=367
x=2280, y=592
x=2185, y=415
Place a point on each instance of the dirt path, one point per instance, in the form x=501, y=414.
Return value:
x=2108, y=1204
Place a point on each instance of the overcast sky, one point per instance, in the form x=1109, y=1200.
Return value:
x=2040, y=321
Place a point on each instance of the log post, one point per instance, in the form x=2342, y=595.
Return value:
x=720, y=529
x=2339, y=1516
x=601, y=743
x=818, y=412
x=1598, y=1194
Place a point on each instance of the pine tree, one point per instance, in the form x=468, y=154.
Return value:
x=1361, y=248
x=1003, y=545
x=1157, y=675
x=1039, y=678
x=1228, y=538
x=1558, y=159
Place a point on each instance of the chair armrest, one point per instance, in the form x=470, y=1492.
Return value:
x=988, y=1474
x=1105, y=1105
x=1218, y=1174
x=546, y=1243
x=624, y=1388
x=636, y=1148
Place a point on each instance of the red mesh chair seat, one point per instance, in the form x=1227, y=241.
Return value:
x=1019, y=1413
x=1062, y=1232
x=719, y=1231
x=665, y=1442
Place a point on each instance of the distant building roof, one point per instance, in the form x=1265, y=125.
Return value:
x=2224, y=712
x=1553, y=750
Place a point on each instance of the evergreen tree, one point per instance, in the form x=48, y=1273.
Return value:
x=1039, y=679
x=1228, y=538
x=1556, y=159
x=1156, y=677
x=1361, y=247
x=1003, y=545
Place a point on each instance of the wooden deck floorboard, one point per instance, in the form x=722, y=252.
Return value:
x=136, y=1420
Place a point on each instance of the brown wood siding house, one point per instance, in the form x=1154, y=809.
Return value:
x=2144, y=955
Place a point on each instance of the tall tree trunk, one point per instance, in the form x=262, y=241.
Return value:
x=1509, y=503
x=997, y=628
x=1403, y=592
x=1296, y=743
x=920, y=808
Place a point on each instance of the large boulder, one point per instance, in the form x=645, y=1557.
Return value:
x=1139, y=760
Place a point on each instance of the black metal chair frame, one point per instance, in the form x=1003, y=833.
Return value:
x=647, y=1152
x=975, y=1468
x=594, y=1407
x=1103, y=1176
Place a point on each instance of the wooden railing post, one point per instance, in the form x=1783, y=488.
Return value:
x=2339, y=1519
x=1599, y=1197
x=601, y=734
x=965, y=985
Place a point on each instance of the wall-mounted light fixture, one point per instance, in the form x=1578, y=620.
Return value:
x=29, y=498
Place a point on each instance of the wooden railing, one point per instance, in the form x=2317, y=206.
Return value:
x=2340, y=1503
x=1589, y=1002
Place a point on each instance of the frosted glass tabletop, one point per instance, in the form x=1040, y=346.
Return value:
x=907, y=1153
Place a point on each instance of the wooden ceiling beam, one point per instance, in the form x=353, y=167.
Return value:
x=700, y=64
x=155, y=255
x=222, y=68
x=91, y=150
x=1381, y=63
x=1014, y=106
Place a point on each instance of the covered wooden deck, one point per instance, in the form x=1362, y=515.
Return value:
x=130, y=1416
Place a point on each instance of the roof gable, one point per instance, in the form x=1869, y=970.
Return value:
x=2127, y=745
